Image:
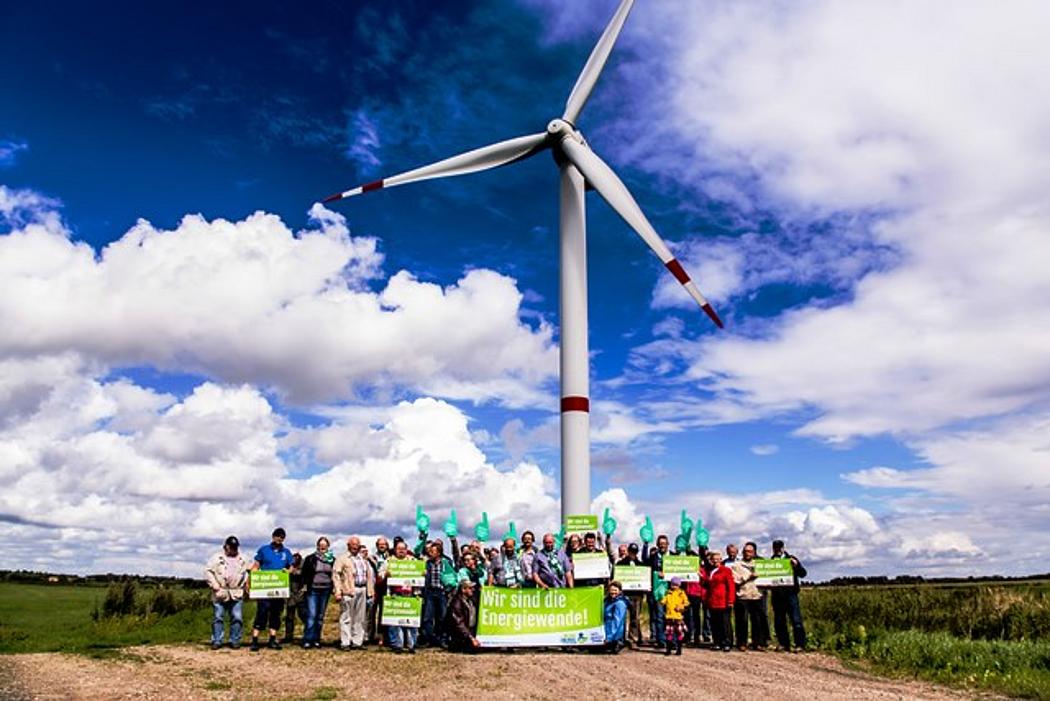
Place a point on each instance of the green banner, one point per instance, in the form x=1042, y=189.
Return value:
x=634, y=577
x=268, y=584
x=590, y=566
x=581, y=523
x=685, y=567
x=540, y=617
x=404, y=611
x=774, y=572
x=405, y=573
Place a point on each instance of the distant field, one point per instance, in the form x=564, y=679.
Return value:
x=57, y=618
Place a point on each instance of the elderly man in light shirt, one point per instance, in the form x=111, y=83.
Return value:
x=354, y=585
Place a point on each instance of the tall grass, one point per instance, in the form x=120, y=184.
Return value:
x=973, y=612
x=993, y=637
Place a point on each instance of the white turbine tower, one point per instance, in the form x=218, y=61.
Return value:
x=579, y=167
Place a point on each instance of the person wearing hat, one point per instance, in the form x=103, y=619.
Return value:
x=463, y=617
x=675, y=604
x=270, y=557
x=226, y=574
x=634, y=598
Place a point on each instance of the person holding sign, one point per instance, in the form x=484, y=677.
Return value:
x=227, y=575
x=785, y=603
x=750, y=606
x=553, y=567
x=400, y=638
x=654, y=559
x=269, y=558
x=626, y=566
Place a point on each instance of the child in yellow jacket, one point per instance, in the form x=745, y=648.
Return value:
x=675, y=604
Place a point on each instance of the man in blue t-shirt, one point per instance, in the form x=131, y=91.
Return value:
x=270, y=557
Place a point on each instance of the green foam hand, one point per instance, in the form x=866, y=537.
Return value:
x=646, y=531
x=608, y=523
x=681, y=543
x=422, y=520
x=659, y=586
x=687, y=525
x=702, y=537
x=511, y=533
x=481, y=531
x=559, y=538
x=451, y=527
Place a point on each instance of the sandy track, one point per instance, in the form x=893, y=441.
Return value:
x=190, y=672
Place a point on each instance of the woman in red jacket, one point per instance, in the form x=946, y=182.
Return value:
x=719, y=597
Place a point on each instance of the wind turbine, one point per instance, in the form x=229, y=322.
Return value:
x=580, y=167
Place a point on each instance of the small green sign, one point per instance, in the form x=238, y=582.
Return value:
x=634, y=577
x=774, y=572
x=404, y=611
x=268, y=584
x=405, y=573
x=540, y=617
x=685, y=567
x=581, y=523
x=590, y=565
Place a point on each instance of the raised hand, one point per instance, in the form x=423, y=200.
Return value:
x=702, y=537
x=646, y=531
x=481, y=531
x=608, y=523
x=451, y=527
x=422, y=520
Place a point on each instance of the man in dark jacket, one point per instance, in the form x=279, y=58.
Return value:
x=634, y=598
x=655, y=560
x=785, y=603
x=462, y=622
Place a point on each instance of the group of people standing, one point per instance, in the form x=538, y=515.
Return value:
x=722, y=606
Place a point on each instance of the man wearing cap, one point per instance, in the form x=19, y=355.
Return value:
x=270, y=557
x=226, y=574
x=785, y=603
x=634, y=598
x=463, y=617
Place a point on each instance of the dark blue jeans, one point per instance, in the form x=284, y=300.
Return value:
x=435, y=603
x=222, y=609
x=316, y=603
x=656, y=620
x=785, y=606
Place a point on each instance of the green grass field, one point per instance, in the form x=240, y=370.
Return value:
x=57, y=618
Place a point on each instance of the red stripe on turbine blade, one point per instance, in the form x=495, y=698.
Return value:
x=333, y=198
x=374, y=185
x=710, y=311
x=575, y=404
x=677, y=270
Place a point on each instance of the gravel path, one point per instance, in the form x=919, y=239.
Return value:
x=191, y=672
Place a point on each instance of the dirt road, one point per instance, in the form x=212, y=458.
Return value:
x=190, y=672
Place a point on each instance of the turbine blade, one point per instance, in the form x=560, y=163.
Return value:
x=483, y=158
x=593, y=68
x=602, y=178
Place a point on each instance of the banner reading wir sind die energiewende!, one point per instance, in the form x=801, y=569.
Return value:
x=531, y=617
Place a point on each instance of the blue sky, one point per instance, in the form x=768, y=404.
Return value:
x=190, y=339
